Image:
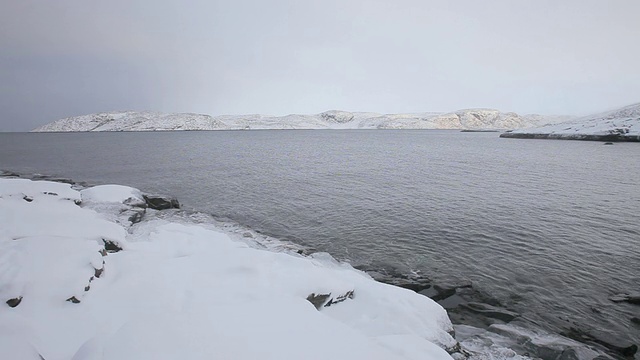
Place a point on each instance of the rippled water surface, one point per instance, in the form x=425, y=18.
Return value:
x=549, y=228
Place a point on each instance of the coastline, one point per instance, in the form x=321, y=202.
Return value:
x=494, y=328
x=584, y=137
x=87, y=273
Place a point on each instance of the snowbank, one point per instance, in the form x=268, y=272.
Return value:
x=184, y=291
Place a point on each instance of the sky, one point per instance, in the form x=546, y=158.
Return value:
x=72, y=57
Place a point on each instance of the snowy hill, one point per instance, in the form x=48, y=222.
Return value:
x=132, y=121
x=471, y=119
x=616, y=125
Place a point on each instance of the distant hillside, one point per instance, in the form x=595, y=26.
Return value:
x=471, y=119
x=616, y=125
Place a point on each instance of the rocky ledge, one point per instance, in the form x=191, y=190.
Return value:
x=480, y=318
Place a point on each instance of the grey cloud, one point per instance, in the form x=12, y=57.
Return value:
x=69, y=57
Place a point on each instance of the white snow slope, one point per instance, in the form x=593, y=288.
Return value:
x=150, y=121
x=184, y=291
x=623, y=122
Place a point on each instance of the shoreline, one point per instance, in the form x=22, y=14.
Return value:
x=485, y=314
x=87, y=273
x=583, y=137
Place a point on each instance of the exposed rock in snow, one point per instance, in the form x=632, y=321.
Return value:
x=182, y=290
x=617, y=125
x=334, y=119
x=161, y=203
x=120, y=204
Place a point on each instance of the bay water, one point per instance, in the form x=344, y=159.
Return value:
x=549, y=229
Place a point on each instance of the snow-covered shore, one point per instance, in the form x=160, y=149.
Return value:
x=475, y=119
x=622, y=124
x=80, y=281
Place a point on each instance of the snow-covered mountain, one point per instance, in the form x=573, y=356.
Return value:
x=621, y=124
x=132, y=121
x=471, y=119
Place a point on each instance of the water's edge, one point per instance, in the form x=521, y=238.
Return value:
x=478, y=316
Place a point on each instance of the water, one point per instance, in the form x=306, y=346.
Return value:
x=550, y=229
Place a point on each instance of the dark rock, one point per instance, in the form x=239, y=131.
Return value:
x=340, y=298
x=74, y=300
x=491, y=311
x=27, y=198
x=103, y=252
x=628, y=351
x=635, y=320
x=615, y=344
x=136, y=217
x=14, y=302
x=452, y=302
x=5, y=173
x=457, y=348
x=98, y=272
x=608, y=143
x=77, y=202
x=325, y=300
x=318, y=300
x=416, y=286
x=111, y=246
x=443, y=291
x=161, y=203
x=86, y=288
x=50, y=193
x=429, y=292
x=630, y=298
x=386, y=273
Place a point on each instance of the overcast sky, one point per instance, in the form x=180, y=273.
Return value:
x=71, y=57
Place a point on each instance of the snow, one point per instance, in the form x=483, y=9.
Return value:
x=333, y=119
x=184, y=290
x=112, y=194
x=624, y=121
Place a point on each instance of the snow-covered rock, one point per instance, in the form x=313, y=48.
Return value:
x=617, y=125
x=120, y=204
x=179, y=290
x=333, y=119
